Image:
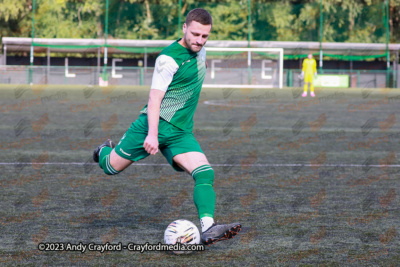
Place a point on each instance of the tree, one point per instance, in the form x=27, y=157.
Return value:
x=69, y=19
x=15, y=18
x=271, y=20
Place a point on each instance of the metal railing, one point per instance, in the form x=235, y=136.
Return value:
x=83, y=75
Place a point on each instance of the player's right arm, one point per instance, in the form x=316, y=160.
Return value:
x=153, y=117
x=164, y=72
x=303, y=70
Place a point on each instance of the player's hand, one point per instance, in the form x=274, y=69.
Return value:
x=151, y=144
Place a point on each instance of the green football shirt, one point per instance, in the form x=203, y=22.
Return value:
x=179, y=72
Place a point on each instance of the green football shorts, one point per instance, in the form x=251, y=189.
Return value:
x=172, y=141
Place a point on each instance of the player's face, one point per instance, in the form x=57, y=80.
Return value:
x=195, y=35
x=310, y=56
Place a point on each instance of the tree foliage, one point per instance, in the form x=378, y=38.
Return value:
x=271, y=20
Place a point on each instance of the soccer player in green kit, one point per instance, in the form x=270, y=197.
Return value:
x=166, y=123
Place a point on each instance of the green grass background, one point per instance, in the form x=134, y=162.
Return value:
x=344, y=213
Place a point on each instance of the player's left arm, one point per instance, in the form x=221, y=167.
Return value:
x=315, y=67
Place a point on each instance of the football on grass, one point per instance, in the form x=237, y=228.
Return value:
x=181, y=231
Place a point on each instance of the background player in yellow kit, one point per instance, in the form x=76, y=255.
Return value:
x=308, y=72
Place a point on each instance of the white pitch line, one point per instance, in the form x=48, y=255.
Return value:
x=237, y=86
x=71, y=163
x=211, y=103
x=217, y=165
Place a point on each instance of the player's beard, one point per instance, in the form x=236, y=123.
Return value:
x=193, y=47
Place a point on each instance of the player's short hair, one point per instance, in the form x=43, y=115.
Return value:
x=200, y=15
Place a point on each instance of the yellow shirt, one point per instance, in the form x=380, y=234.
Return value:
x=309, y=66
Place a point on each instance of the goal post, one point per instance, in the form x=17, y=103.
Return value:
x=244, y=67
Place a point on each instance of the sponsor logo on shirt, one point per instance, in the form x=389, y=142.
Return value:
x=185, y=62
x=159, y=70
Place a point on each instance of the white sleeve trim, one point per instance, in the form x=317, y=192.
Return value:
x=164, y=71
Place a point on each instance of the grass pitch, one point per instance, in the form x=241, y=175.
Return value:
x=312, y=180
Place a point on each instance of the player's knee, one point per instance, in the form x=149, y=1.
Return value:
x=203, y=175
x=119, y=163
x=108, y=172
x=108, y=168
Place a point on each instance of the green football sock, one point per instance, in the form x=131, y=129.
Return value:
x=104, y=161
x=204, y=195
